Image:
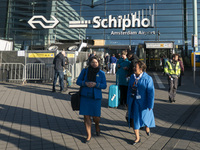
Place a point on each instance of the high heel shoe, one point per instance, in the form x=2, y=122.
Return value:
x=87, y=141
x=134, y=143
x=148, y=133
x=98, y=133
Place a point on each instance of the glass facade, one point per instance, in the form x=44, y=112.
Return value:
x=119, y=22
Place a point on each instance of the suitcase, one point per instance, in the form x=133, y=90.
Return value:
x=113, y=97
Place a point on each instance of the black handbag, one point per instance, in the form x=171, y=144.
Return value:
x=75, y=100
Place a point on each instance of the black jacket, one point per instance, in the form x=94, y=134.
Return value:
x=59, y=62
x=133, y=60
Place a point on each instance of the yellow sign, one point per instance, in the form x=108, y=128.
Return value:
x=161, y=45
x=99, y=42
x=70, y=55
x=41, y=55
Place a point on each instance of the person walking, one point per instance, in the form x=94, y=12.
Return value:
x=113, y=61
x=65, y=73
x=93, y=53
x=59, y=63
x=132, y=59
x=182, y=70
x=172, y=70
x=107, y=62
x=122, y=72
x=91, y=80
x=164, y=60
x=140, y=100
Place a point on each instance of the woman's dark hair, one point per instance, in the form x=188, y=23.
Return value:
x=94, y=57
x=141, y=65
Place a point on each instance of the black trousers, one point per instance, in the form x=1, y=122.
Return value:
x=173, y=84
x=123, y=94
x=179, y=80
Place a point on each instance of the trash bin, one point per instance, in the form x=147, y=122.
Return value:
x=197, y=58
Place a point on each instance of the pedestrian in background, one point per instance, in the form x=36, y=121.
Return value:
x=91, y=80
x=182, y=70
x=164, y=60
x=172, y=70
x=118, y=56
x=59, y=63
x=140, y=100
x=107, y=62
x=133, y=58
x=65, y=73
x=113, y=61
x=92, y=53
x=122, y=72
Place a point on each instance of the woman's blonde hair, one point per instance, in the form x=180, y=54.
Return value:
x=124, y=52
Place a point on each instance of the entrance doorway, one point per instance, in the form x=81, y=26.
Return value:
x=154, y=51
x=153, y=58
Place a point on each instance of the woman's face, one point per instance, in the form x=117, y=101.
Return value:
x=138, y=70
x=124, y=56
x=94, y=63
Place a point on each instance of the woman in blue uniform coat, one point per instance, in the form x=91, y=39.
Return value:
x=140, y=98
x=92, y=80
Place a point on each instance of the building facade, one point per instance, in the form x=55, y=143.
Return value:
x=109, y=23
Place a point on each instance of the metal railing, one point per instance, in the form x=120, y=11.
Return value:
x=12, y=72
x=34, y=71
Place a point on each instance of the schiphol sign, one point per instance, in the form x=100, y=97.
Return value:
x=139, y=19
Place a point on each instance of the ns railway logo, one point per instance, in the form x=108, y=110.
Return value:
x=140, y=19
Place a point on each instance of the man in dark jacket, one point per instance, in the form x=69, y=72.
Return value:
x=59, y=63
x=133, y=58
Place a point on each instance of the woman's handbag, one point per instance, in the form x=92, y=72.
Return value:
x=75, y=100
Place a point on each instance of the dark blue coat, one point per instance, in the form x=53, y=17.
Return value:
x=100, y=84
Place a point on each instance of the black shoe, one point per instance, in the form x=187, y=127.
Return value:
x=174, y=101
x=53, y=90
x=134, y=143
x=170, y=100
x=63, y=91
x=148, y=133
x=87, y=141
x=98, y=133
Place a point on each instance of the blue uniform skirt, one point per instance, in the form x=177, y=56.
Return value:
x=90, y=107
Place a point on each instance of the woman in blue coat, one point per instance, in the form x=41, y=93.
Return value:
x=121, y=75
x=92, y=80
x=140, y=99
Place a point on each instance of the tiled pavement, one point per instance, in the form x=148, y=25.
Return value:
x=32, y=117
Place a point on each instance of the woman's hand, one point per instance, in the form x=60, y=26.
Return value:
x=90, y=84
x=87, y=84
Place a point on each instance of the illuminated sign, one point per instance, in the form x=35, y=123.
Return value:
x=137, y=20
x=159, y=45
x=35, y=20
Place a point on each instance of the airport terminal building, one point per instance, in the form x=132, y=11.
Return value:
x=147, y=27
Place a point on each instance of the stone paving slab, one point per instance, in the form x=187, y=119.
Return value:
x=32, y=117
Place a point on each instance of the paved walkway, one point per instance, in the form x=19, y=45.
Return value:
x=32, y=117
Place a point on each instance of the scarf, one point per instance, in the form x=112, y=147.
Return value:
x=92, y=72
x=137, y=78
